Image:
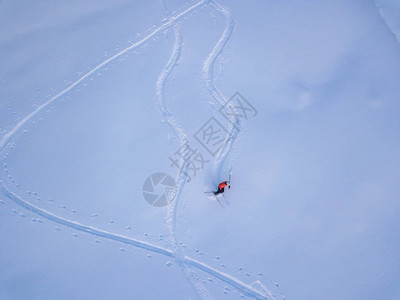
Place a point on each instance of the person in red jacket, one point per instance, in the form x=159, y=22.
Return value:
x=221, y=187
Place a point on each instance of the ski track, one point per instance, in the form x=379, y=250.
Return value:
x=241, y=286
x=6, y=138
x=387, y=24
x=176, y=253
x=219, y=99
x=78, y=226
x=208, y=66
x=181, y=178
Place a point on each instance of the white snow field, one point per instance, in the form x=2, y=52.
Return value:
x=297, y=101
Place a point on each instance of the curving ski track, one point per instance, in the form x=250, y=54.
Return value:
x=181, y=177
x=244, y=288
x=208, y=69
x=219, y=99
x=6, y=138
x=209, y=64
x=386, y=21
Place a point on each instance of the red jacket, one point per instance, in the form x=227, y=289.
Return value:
x=222, y=185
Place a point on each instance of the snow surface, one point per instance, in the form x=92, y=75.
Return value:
x=97, y=96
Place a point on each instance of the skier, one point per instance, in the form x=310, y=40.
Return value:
x=221, y=187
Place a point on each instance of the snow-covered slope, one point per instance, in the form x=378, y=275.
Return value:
x=95, y=98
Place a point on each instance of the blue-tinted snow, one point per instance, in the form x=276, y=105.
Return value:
x=95, y=97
